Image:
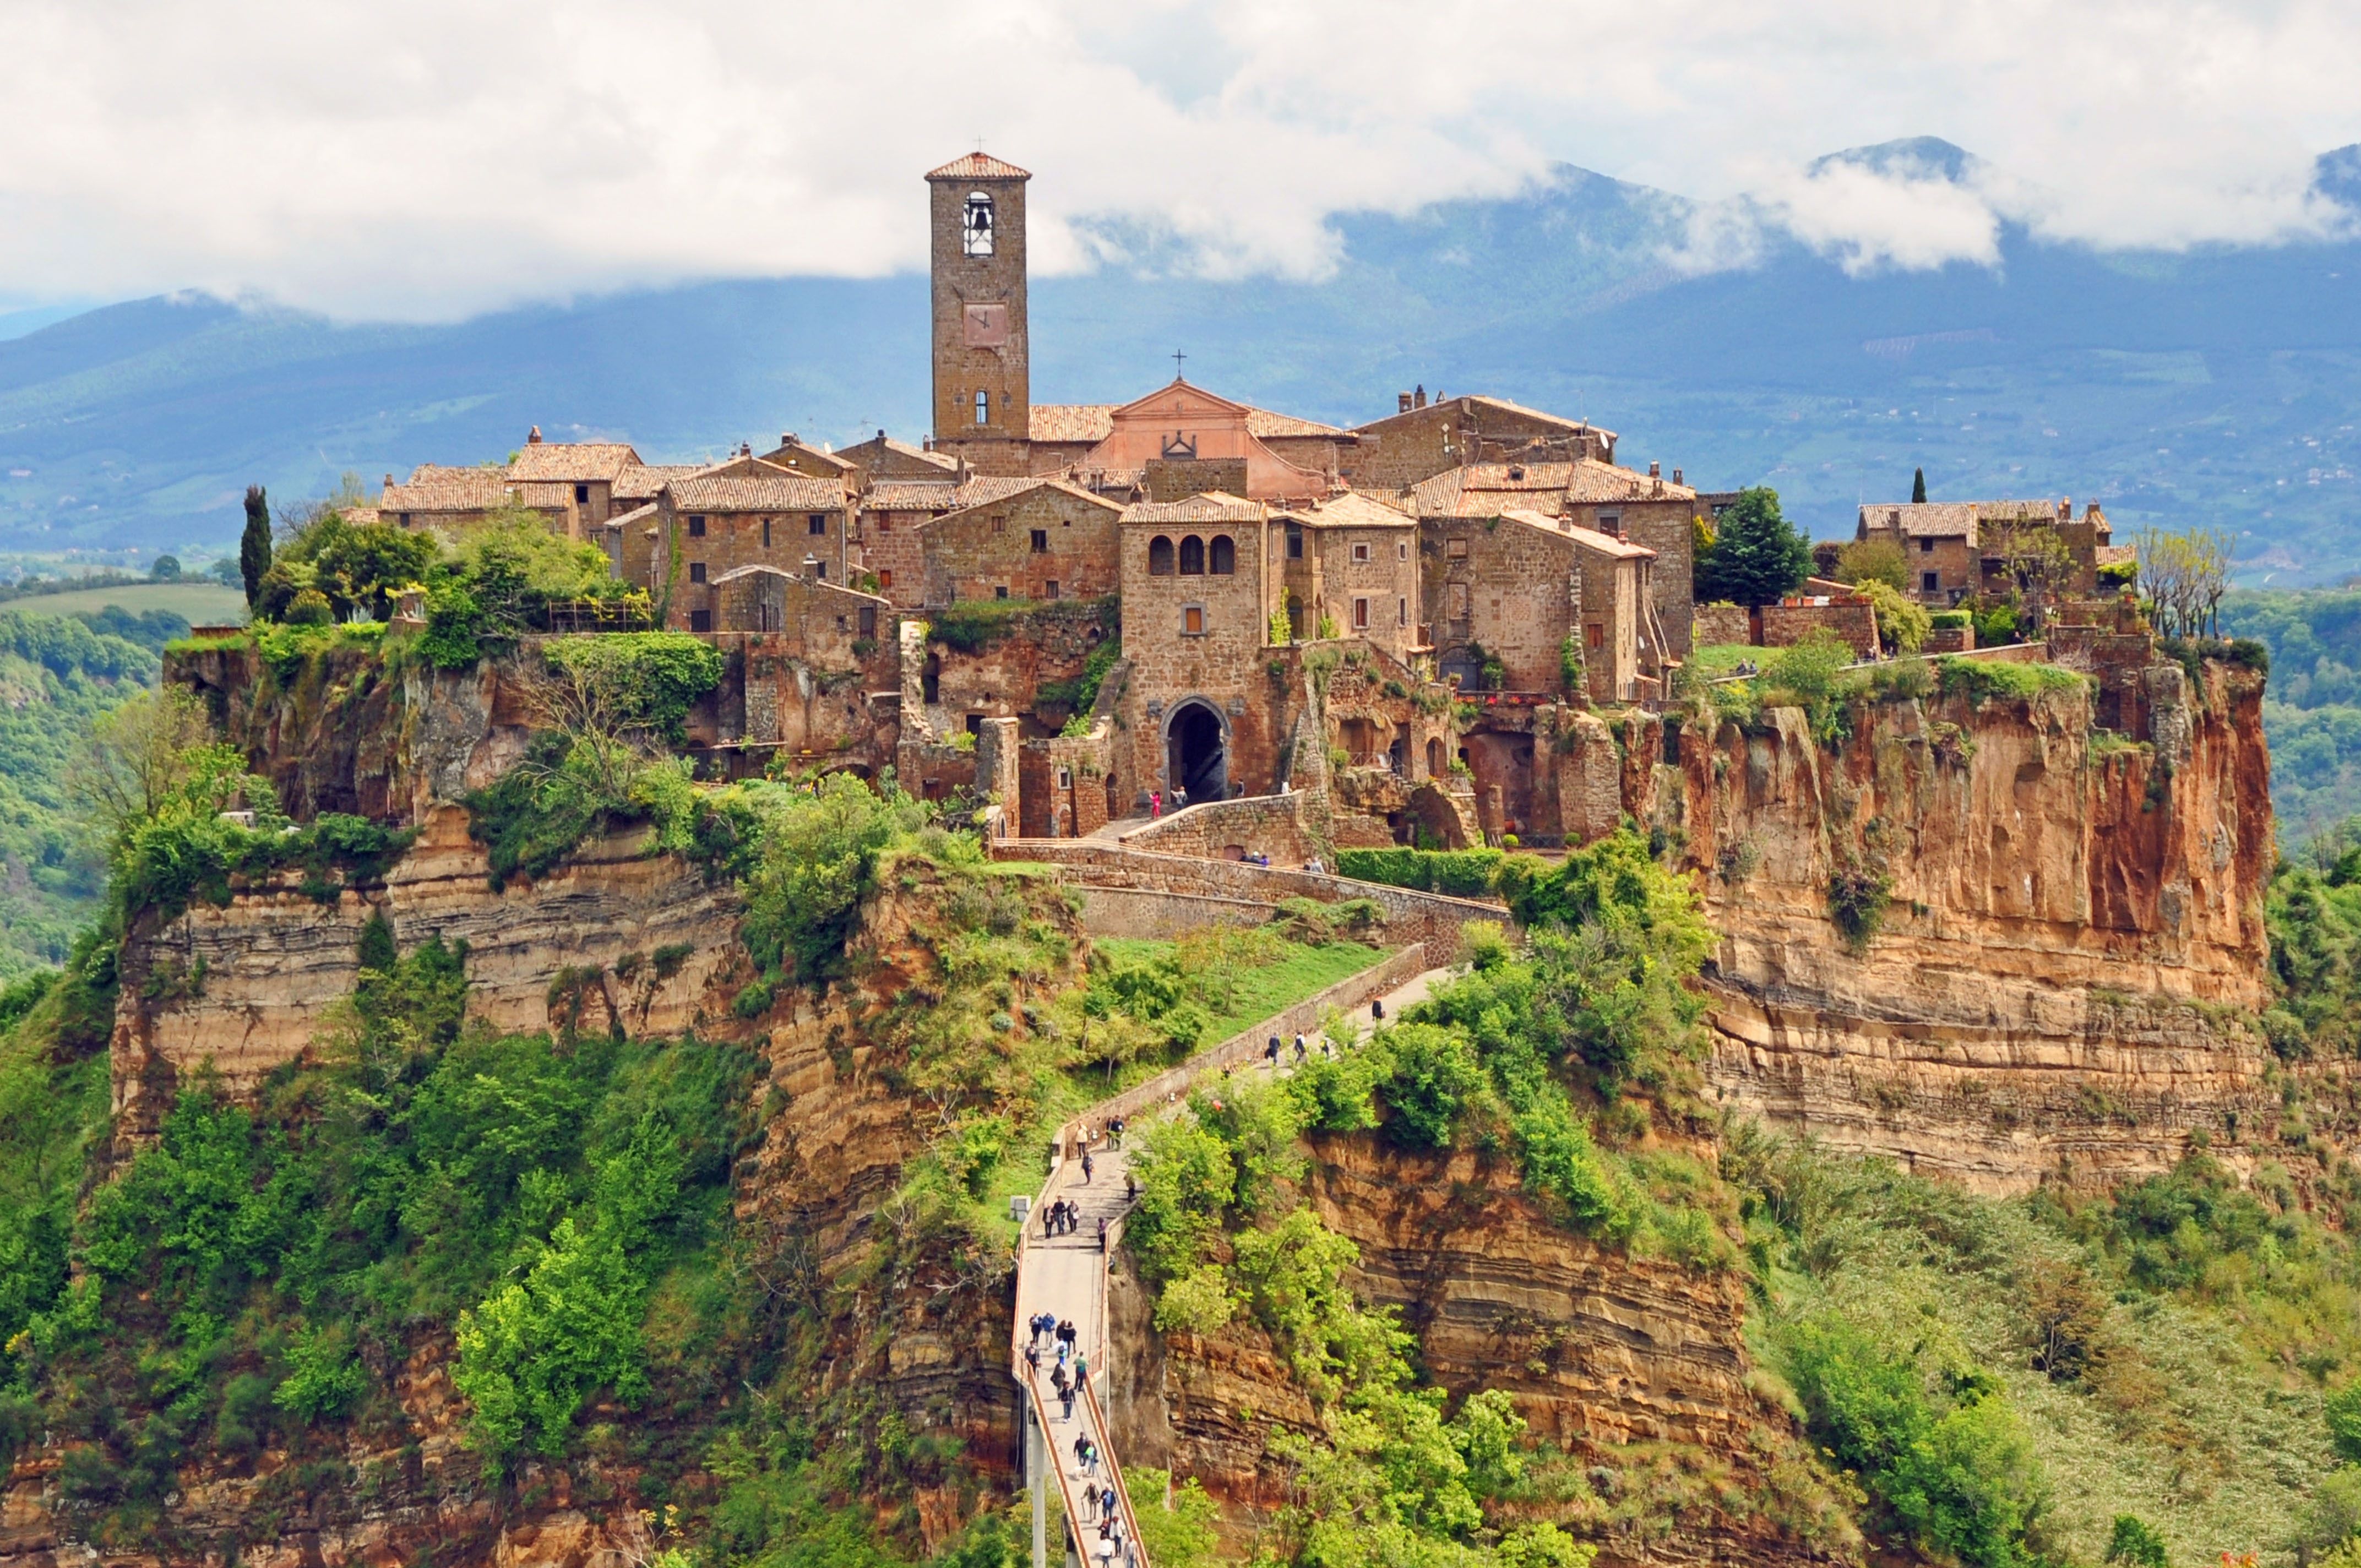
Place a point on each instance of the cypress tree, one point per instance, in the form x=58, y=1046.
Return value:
x=254, y=547
x=1918, y=486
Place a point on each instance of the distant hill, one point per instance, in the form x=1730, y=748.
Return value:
x=2219, y=386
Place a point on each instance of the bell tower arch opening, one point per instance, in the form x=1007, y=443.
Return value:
x=1197, y=751
x=982, y=368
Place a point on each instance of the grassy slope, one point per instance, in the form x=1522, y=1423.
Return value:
x=201, y=603
x=1241, y=997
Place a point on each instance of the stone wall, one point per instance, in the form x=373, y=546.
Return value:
x=1504, y=585
x=1048, y=543
x=1722, y=624
x=1150, y=915
x=1287, y=827
x=1854, y=620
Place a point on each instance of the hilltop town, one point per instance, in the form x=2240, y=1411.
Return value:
x=1487, y=569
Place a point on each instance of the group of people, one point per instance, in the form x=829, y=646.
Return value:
x=1101, y=1505
x=1060, y=1218
x=1156, y=800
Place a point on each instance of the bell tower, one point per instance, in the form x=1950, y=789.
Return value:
x=982, y=370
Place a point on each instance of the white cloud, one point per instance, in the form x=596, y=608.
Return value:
x=441, y=156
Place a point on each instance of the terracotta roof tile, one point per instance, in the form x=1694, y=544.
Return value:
x=1213, y=506
x=448, y=489
x=755, y=492
x=1263, y=422
x=623, y=519
x=977, y=166
x=641, y=481
x=1350, y=509
x=573, y=462
x=1070, y=421
x=1925, y=519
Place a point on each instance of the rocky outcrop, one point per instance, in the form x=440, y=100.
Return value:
x=2061, y=977
x=612, y=936
x=1616, y=1359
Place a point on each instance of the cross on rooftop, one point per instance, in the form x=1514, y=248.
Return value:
x=1177, y=357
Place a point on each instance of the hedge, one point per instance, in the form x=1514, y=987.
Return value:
x=1462, y=874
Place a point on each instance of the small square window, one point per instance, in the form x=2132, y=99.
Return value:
x=885, y=578
x=1929, y=583
x=1065, y=778
x=700, y=620
x=1000, y=591
x=1192, y=622
x=697, y=528
x=884, y=522
x=582, y=495
x=1049, y=589
x=1360, y=552
x=697, y=571
x=1594, y=635
x=1040, y=542
x=818, y=526
x=1927, y=546
x=1456, y=550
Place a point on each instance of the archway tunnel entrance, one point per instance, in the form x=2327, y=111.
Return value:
x=1194, y=756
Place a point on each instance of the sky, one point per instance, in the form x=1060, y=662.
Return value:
x=438, y=159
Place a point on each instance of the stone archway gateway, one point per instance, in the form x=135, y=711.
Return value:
x=1196, y=751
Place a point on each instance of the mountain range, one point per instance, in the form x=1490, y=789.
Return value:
x=2218, y=386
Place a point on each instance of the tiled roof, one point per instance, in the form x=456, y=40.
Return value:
x=755, y=492
x=977, y=166
x=641, y=481
x=942, y=460
x=573, y=462
x=1026, y=486
x=2101, y=555
x=1480, y=489
x=447, y=489
x=910, y=495
x=622, y=519
x=1478, y=402
x=1213, y=506
x=1351, y=509
x=1591, y=480
x=546, y=495
x=787, y=456
x=1925, y=519
x=1070, y=421
x=1262, y=423
x=978, y=489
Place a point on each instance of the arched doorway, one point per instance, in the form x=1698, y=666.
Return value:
x=1196, y=753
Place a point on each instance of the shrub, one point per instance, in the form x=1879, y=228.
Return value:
x=1979, y=679
x=1463, y=873
x=1198, y=1303
x=1952, y=618
x=1866, y=561
x=2135, y=1545
x=1996, y=625
x=1858, y=896
x=648, y=680
x=1901, y=622
x=1433, y=1073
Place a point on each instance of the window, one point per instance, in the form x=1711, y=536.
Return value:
x=1000, y=590
x=582, y=495
x=1929, y=583
x=1224, y=559
x=1610, y=522
x=766, y=533
x=884, y=522
x=984, y=408
x=1594, y=635
x=869, y=620
x=976, y=227
x=1401, y=551
x=697, y=528
x=999, y=525
x=885, y=578
x=1360, y=615
x=1192, y=620
x=697, y=571
x=700, y=620
x=819, y=569
x=1456, y=550
x=1160, y=556
x=1295, y=541
x=1402, y=612
x=1065, y=778
x=1360, y=552
x=1927, y=546
x=1049, y=589
x=1192, y=556
x=818, y=525
x=1040, y=542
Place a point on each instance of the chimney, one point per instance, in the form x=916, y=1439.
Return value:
x=1401, y=401
x=1419, y=396
x=388, y=481
x=533, y=437
x=881, y=433
x=1676, y=476
x=745, y=450
x=1655, y=470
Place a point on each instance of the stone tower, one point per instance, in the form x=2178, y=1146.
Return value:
x=983, y=371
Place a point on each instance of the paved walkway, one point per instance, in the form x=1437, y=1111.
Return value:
x=1064, y=1276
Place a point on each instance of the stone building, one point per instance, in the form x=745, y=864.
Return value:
x=1506, y=588
x=580, y=475
x=444, y=499
x=1956, y=550
x=1182, y=440
x=1197, y=593
x=882, y=457
x=982, y=373
x=743, y=514
x=1423, y=439
x=1616, y=608
x=888, y=540
x=1048, y=541
x=1348, y=568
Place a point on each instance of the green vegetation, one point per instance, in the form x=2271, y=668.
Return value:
x=2312, y=712
x=1212, y=983
x=2313, y=914
x=193, y=602
x=1463, y=873
x=1757, y=556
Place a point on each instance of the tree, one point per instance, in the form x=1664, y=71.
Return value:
x=1758, y=556
x=167, y=569
x=1873, y=561
x=138, y=756
x=1903, y=622
x=254, y=546
x=2186, y=574
x=225, y=572
x=1918, y=487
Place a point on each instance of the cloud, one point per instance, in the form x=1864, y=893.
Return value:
x=439, y=157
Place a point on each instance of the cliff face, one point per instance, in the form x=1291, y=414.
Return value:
x=1634, y=1367
x=250, y=986
x=2057, y=985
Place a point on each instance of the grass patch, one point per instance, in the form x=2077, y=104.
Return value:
x=201, y=603
x=1715, y=660
x=1233, y=995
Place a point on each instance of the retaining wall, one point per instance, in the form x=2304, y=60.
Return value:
x=1162, y=917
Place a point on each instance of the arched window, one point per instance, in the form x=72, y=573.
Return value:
x=1160, y=556
x=1226, y=555
x=1192, y=556
x=975, y=228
